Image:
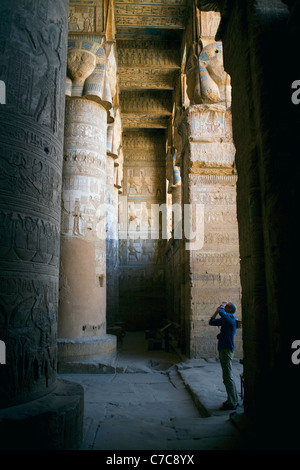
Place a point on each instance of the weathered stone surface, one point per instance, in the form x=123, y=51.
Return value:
x=209, y=179
x=214, y=81
x=141, y=248
x=112, y=242
x=34, y=39
x=166, y=14
x=153, y=56
x=72, y=350
x=209, y=123
x=265, y=130
x=53, y=422
x=86, y=17
x=81, y=64
x=83, y=244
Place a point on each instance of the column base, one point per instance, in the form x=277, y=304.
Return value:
x=84, y=354
x=53, y=422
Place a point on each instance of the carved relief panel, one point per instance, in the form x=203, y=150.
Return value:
x=148, y=53
x=162, y=13
x=86, y=16
x=84, y=172
x=141, y=248
x=33, y=42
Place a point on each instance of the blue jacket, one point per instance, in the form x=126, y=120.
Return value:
x=227, y=322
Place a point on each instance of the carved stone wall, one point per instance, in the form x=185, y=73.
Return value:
x=141, y=247
x=86, y=16
x=162, y=14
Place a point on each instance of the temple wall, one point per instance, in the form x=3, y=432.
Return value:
x=141, y=246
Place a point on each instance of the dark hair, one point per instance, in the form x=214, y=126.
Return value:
x=232, y=306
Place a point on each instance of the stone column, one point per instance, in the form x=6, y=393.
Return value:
x=209, y=178
x=173, y=249
x=113, y=146
x=266, y=133
x=174, y=189
x=111, y=230
x=212, y=263
x=82, y=312
x=33, y=416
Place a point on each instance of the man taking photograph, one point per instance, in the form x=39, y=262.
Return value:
x=228, y=324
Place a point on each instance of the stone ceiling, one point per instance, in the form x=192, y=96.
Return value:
x=148, y=35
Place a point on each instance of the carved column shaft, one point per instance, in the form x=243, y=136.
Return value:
x=83, y=244
x=31, y=132
x=82, y=314
x=209, y=180
x=111, y=239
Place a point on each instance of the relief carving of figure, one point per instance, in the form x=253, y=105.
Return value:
x=77, y=216
x=72, y=22
x=47, y=46
x=132, y=184
x=88, y=24
x=145, y=187
x=132, y=250
x=133, y=219
x=192, y=75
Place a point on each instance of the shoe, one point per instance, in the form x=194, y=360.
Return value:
x=226, y=406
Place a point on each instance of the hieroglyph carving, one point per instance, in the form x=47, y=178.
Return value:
x=166, y=14
x=86, y=16
x=141, y=141
x=145, y=181
x=84, y=168
x=135, y=77
x=31, y=132
x=151, y=102
x=81, y=19
x=28, y=238
x=147, y=53
x=34, y=176
x=46, y=47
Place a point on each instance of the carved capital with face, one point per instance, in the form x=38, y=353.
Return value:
x=81, y=64
x=214, y=81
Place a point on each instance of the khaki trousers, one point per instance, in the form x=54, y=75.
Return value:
x=226, y=356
